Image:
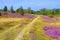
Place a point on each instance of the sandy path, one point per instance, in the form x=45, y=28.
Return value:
x=20, y=35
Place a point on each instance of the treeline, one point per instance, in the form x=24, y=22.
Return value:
x=42, y=11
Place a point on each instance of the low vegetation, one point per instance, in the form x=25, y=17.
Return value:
x=28, y=24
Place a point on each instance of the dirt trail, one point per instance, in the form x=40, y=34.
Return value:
x=20, y=35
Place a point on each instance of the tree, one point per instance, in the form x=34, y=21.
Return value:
x=21, y=11
x=50, y=13
x=5, y=9
x=57, y=11
x=28, y=10
x=1, y=10
x=17, y=11
x=11, y=9
x=43, y=11
x=32, y=12
x=53, y=11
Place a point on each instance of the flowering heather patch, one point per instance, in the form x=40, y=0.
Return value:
x=45, y=17
x=31, y=31
x=55, y=19
x=17, y=15
x=52, y=31
x=29, y=15
x=46, y=28
x=14, y=15
x=48, y=19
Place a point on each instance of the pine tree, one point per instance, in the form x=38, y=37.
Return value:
x=21, y=11
x=5, y=9
x=43, y=11
x=29, y=10
x=11, y=9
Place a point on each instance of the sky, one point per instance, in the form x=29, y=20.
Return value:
x=34, y=4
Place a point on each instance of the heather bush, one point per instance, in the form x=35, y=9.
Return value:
x=52, y=31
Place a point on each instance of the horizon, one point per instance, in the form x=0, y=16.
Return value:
x=34, y=4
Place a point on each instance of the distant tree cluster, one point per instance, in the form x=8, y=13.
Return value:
x=20, y=10
x=42, y=11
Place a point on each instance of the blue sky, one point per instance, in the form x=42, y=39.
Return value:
x=34, y=4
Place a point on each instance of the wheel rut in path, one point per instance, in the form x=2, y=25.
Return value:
x=28, y=26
